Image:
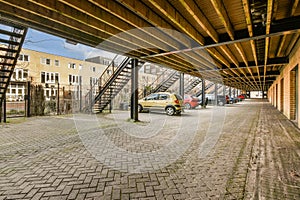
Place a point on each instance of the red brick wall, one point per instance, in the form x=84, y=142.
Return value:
x=292, y=95
x=282, y=93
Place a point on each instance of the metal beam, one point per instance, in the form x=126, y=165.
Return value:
x=280, y=27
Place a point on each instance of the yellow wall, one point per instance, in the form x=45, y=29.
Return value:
x=35, y=67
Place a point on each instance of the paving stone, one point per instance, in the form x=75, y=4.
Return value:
x=45, y=158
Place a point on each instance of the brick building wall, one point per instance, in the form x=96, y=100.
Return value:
x=292, y=95
x=282, y=93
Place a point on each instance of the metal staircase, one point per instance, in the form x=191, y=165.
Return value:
x=11, y=40
x=167, y=83
x=208, y=86
x=109, y=84
x=191, y=84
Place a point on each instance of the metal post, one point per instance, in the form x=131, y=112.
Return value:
x=28, y=99
x=229, y=92
x=1, y=103
x=63, y=100
x=80, y=93
x=91, y=95
x=224, y=90
x=216, y=93
x=4, y=109
x=57, y=107
x=181, y=85
x=134, y=90
x=110, y=100
x=203, y=94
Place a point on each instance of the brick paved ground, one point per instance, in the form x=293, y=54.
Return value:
x=257, y=156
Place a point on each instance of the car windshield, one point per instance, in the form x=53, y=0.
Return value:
x=152, y=97
x=178, y=97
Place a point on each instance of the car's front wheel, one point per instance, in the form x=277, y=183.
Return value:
x=187, y=106
x=170, y=111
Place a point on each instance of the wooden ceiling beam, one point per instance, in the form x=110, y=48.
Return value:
x=283, y=39
x=140, y=9
x=134, y=40
x=256, y=75
x=178, y=21
x=200, y=18
x=223, y=16
x=268, y=27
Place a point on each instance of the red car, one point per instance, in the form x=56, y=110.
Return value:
x=241, y=96
x=190, y=101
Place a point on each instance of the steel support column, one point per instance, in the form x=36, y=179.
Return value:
x=216, y=93
x=203, y=94
x=57, y=107
x=229, y=91
x=181, y=85
x=80, y=93
x=91, y=95
x=4, y=109
x=28, y=99
x=134, y=90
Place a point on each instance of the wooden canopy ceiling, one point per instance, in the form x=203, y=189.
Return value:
x=241, y=43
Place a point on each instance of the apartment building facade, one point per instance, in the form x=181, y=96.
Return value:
x=54, y=73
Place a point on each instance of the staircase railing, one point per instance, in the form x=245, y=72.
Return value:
x=96, y=86
x=159, y=79
x=164, y=85
x=10, y=57
x=191, y=84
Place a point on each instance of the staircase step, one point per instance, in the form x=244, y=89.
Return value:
x=7, y=57
x=5, y=70
x=8, y=50
x=9, y=42
x=9, y=33
x=6, y=64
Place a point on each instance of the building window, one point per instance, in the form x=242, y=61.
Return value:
x=147, y=69
x=56, y=63
x=106, y=62
x=50, y=93
x=25, y=73
x=49, y=77
x=20, y=75
x=80, y=67
x=94, y=69
x=94, y=80
x=74, y=79
x=46, y=61
x=23, y=57
x=43, y=77
x=72, y=65
x=16, y=92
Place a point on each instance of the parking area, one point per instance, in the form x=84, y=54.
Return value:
x=247, y=150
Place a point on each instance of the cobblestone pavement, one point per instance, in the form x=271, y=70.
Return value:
x=256, y=156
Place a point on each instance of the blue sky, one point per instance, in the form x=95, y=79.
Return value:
x=39, y=41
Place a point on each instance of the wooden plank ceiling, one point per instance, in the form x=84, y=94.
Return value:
x=241, y=43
